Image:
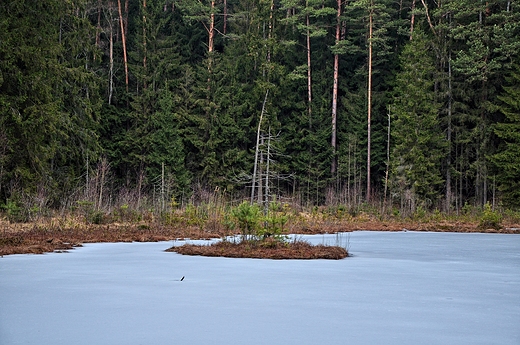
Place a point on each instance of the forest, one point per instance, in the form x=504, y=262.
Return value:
x=403, y=104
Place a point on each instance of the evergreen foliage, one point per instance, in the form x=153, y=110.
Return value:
x=48, y=96
x=417, y=137
x=507, y=159
x=198, y=71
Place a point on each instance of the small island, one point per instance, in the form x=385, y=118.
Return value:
x=262, y=237
x=264, y=249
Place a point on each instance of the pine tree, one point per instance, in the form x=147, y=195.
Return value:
x=373, y=22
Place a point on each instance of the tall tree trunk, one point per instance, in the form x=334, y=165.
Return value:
x=126, y=16
x=211, y=44
x=480, y=15
x=111, y=65
x=387, y=159
x=211, y=27
x=268, y=158
x=412, y=20
x=448, y=138
x=257, y=150
x=309, y=104
x=98, y=29
x=224, y=29
x=103, y=167
x=309, y=79
x=270, y=33
x=260, y=172
x=429, y=18
x=369, y=91
x=123, y=38
x=144, y=35
x=335, y=93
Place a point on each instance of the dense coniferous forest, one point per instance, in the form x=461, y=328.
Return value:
x=402, y=103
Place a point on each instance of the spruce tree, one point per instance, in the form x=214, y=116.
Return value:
x=485, y=38
x=48, y=95
x=418, y=142
x=507, y=159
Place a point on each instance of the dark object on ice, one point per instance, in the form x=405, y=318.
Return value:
x=182, y=278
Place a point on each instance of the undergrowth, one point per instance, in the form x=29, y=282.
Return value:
x=23, y=224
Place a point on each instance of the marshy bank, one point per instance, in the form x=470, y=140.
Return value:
x=64, y=231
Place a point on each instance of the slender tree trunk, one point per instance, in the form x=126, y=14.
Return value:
x=211, y=27
x=268, y=158
x=87, y=177
x=412, y=20
x=98, y=29
x=461, y=175
x=270, y=33
x=309, y=105
x=309, y=79
x=111, y=65
x=429, y=18
x=335, y=93
x=387, y=159
x=349, y=173
x=448, y=138
x=480, y=15
x=258, y=147
x=144, y=35
x=140, y=180
x=260, y=173
x=211, y=44
x=162, y=187
x=4, y=145
x=126, y=16
x=485, y=187
x=123, y=38
x=224, y=29
x=369, y=91
x=103, y=167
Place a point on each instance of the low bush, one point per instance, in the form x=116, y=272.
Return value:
x=490, y=219
x=13, y=211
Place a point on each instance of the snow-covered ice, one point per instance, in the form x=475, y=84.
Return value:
x=397, y=288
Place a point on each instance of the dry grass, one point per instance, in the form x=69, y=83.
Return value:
x=42, y=238
x=268, y=249
x=61, y=234
x=318, y=225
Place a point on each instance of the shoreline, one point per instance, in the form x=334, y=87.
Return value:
x=59, y=236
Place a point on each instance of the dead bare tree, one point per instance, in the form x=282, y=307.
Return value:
x=102, y=171
x=257, y=150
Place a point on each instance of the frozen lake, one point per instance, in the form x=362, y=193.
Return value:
x=397, y=288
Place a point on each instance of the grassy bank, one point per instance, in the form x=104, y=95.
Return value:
x=64, y=231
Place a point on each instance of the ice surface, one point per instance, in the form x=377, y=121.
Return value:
x=397, y=288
